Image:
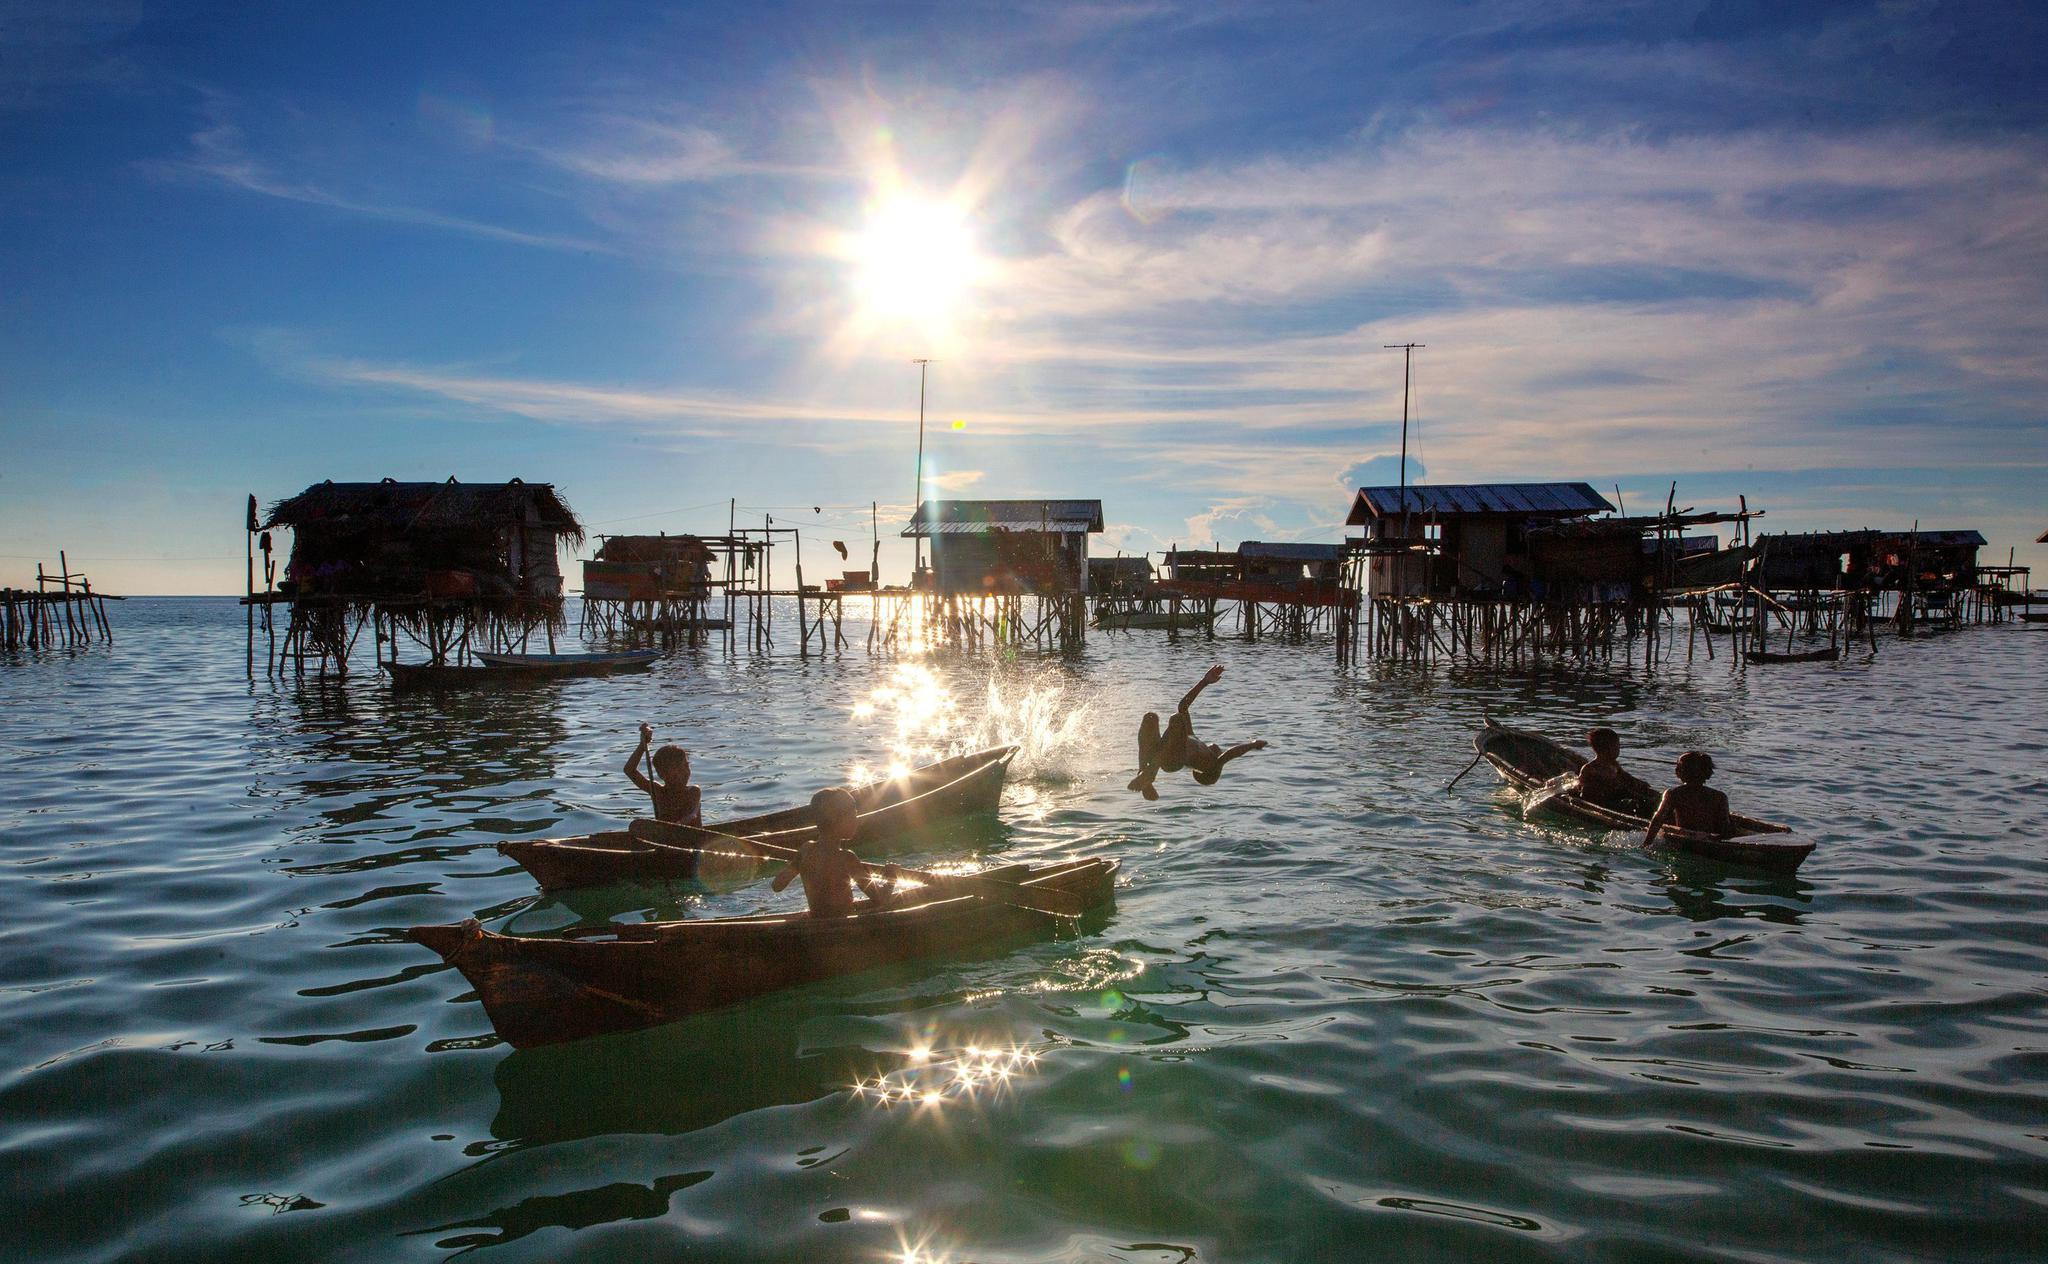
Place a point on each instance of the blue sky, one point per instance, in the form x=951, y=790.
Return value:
x=1797, y=251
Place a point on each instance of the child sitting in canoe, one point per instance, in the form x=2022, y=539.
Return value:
x=675, y=799
x=829, y=869
x=1178, y=748
x=1604, y=781
x=1691, y=805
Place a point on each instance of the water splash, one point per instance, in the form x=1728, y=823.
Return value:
x=926, y=723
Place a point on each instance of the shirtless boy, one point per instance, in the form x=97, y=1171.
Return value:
x=1603, y=780
x=1691, y=805
x=1178, y=748
x=675, y=799
x=831, y=871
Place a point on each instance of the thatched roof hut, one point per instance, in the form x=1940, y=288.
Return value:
x=390, y=541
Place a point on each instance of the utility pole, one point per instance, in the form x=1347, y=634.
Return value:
x=917, y=493
x=1407, y=350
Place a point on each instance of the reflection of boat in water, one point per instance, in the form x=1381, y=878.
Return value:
x=728, y=1063
x=600, y=979
x=1531, y=762
x=498, y=669
x=916, y=801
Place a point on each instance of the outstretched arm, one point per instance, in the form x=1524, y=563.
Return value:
x=639, y=778
x=1209, y=677
x=783, y=879
x=1658, y=821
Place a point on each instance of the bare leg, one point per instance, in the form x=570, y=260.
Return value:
x=1148, y=756
x=1242, y=748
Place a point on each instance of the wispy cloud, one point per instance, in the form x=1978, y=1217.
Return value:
x=219, y=150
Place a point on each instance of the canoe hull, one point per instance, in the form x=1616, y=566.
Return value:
x=1528, y=761
x=509, y=670
x=626, y=660
x=928, y=796
x=545, y=991
x=1154, y=620
x=1805, y=656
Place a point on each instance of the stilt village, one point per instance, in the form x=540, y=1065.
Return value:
x=442, y=572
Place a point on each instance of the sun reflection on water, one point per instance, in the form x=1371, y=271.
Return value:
x=931, y=1080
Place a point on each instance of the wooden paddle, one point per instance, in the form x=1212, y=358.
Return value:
x=1037, y=900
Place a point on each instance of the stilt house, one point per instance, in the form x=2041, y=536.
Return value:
x=1488, y=540
x=1008, y=547
x=650, y=568
x=392, y=541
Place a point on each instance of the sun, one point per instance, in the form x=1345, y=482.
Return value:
x=915, y=261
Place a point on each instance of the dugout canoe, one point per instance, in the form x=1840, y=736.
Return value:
x=599, y=979
x=1154, y=620
x=915, y=801
x=1530, y=762
x=603, y=662
x=1828, y=655
x=517, y=669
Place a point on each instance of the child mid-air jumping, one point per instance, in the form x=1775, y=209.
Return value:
x=1178, y=748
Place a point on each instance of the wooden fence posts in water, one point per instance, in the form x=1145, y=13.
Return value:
x=62, y=610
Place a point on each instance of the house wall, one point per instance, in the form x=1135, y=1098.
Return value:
x=1011, y=562
x=1476, y=552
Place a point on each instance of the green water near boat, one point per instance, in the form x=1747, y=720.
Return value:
x=1338, y=1013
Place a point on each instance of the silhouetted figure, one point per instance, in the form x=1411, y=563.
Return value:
x=829, y=869
x=1604, y=781
x=1691, y=805
x=1178, y=748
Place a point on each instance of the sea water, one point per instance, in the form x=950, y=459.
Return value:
x=1338, y=1013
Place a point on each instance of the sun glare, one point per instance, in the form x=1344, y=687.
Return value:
x=915, y=260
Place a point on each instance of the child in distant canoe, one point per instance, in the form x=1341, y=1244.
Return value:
x=1178, y=748
x=1691, y=805
x=828, y=867
x=675, y=799
x=1603, y=780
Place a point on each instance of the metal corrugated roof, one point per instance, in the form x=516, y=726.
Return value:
x=1048, y=527
x=970, y=517
x=1285, y=552
x=1848, y=539
x=1454, y=499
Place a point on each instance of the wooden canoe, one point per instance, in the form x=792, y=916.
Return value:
x=516, y=669
x=2034, y=616
x=617, y=660
x=1531, y=762
x=1154, y=620
x=918, y=800
x=600, y=979
x=1827, y=655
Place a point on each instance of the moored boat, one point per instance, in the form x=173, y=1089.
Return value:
x=601, y=979
x=512, y=669
x=608, y=661
x=896, y=806
x=1154, y=620
x=1531, y=762
x=1828, y=655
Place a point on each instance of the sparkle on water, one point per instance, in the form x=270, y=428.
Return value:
x=1337, y=1013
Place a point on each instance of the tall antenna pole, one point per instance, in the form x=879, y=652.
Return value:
x=917, y=493
x=1407, y=350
